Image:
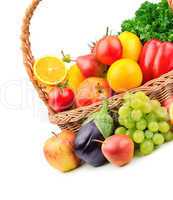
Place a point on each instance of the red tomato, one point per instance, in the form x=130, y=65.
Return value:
x=60, y=99
x=89, y=66
x=108, y=50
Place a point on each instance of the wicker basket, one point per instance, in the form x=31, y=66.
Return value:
x=161, y=88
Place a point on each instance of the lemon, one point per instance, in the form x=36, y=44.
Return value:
x=74, y=77
x=50, y=70
x=131, y=44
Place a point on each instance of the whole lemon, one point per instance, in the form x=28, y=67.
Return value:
x=131, y=44
x=74, y=77
x=124, y=74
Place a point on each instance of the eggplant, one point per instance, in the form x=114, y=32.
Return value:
x=86, y=148
x=91, y=135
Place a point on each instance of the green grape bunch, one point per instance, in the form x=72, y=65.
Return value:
x=145, y=121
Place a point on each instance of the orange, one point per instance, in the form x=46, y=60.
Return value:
x=131, y=44
x=50, y=70
x=74, y=77
x=124, y=74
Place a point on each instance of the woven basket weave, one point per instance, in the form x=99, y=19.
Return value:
x=161, y=88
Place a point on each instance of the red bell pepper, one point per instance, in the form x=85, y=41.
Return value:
x=156, y=59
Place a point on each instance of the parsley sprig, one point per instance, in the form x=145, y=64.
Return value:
x=152, y=20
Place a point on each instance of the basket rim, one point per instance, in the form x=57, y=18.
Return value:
x=77, y=114
x=150, y=87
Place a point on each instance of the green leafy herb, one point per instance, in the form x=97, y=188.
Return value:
x=152, y=20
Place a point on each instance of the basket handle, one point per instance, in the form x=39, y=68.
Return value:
x=28, y=58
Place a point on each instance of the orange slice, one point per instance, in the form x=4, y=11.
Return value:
x=50, y=70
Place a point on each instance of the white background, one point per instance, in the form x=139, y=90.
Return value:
x=24, y=126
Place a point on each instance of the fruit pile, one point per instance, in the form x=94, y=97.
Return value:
x=140, y=126
x=142, y=51
x=111, y=67
x=115, y=63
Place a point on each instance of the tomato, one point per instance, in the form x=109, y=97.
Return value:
x=92, y=90
x=108, y=50
x=60, y=99
x=89, y=66
x=131, y=44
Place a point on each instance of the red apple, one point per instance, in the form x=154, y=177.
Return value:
x=118, y=149
x=168, y=104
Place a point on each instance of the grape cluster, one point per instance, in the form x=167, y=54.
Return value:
x=145, y=121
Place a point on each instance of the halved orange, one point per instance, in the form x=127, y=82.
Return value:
x=50, y=70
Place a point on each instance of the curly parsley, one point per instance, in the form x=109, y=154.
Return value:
x=152, y=20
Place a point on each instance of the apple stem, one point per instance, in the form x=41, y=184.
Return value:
x=99, y=141
x=107, y=31
x=54, y=134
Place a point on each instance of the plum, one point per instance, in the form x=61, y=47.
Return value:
x=86, y=148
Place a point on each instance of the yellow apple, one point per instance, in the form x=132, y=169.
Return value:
x=59, y=151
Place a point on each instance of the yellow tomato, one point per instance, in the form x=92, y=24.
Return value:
x=74, y=77
x=124, y=74
x=131, y=44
